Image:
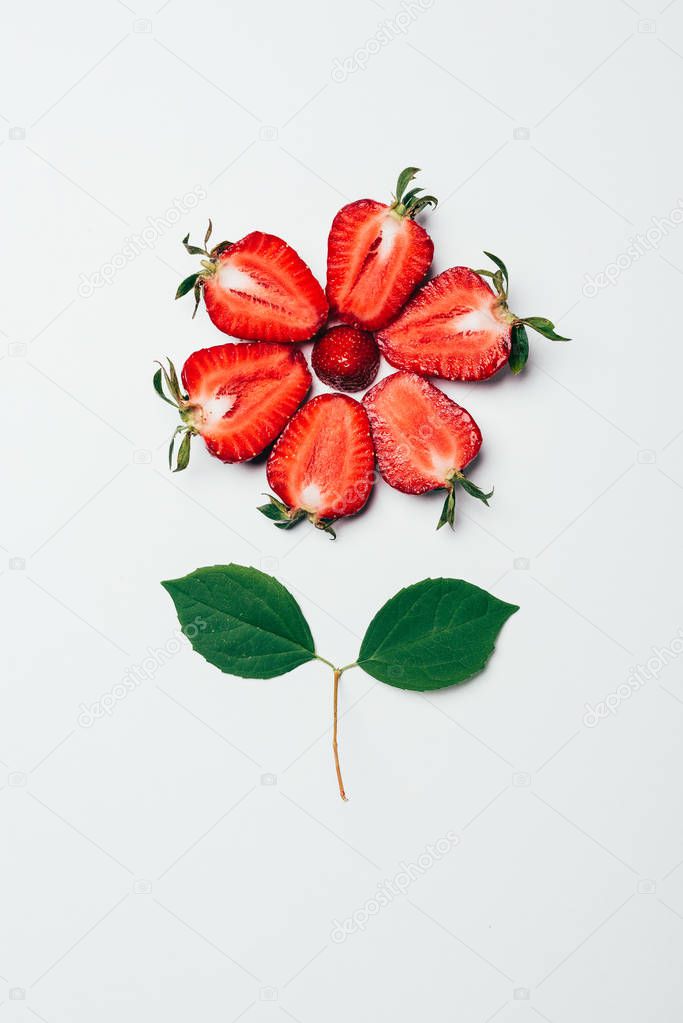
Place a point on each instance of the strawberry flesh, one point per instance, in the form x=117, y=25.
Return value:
x=346, y=358
x=322, y=466
x=261, y=290
x=455, y=327
x=240, y=396
x=421, y=437
x=375, y=259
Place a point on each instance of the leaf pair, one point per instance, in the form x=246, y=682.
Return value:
x=436, y=633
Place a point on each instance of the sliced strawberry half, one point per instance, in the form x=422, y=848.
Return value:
x=458, y=328
x=257, y=289
x=239, y=397
x=423, y=440
x=322, y=467
x=377, y=255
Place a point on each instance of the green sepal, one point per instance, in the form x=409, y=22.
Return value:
x=197, y=295
x=409, y=204
x=472, y=489
x=448, y=510
x=326, y=526
x=170, y=378
x=187, y=285
x=171, y=446
x=279, y=514
x=420, y=204
x=404, y=179
x=543, y=326
x=183, y=459
x=183, y=455
x=158, y=387
x=519, y=349
x=501, y=266
x=194, y=250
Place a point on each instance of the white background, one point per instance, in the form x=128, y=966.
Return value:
x=147, y=872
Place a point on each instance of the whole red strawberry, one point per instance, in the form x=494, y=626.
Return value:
x=257, y=289
x=322, y=467
x=346, y=358
x=377, y=255
x=458, y=328
x=423, y=439
x=239, y=397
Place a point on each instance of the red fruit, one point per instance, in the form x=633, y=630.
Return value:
x=423, y=439
x=322, y=466
x=456, y=327
x=377, y=255
x=346, y=358
x=239, y=397
x=257, y=289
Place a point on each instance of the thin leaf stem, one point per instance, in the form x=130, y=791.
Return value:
x=347, y=667
x=335, y=745
x=324, y=660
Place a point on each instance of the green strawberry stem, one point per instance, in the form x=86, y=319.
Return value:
x=519, y=352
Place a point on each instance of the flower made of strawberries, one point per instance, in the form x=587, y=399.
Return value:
x=244, y=398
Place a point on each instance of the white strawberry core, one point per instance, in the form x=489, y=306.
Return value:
x=443, y=469
x=390, y=229
x=476, y=321
x=216, y=408
x=310, y=497
x=232, y=279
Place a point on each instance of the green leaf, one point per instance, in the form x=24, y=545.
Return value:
x=434, y=634
x=187, y=285
x=241, y=620
x=501, y=266
x=544, y=326
x=519, y=349
x=208, y=233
